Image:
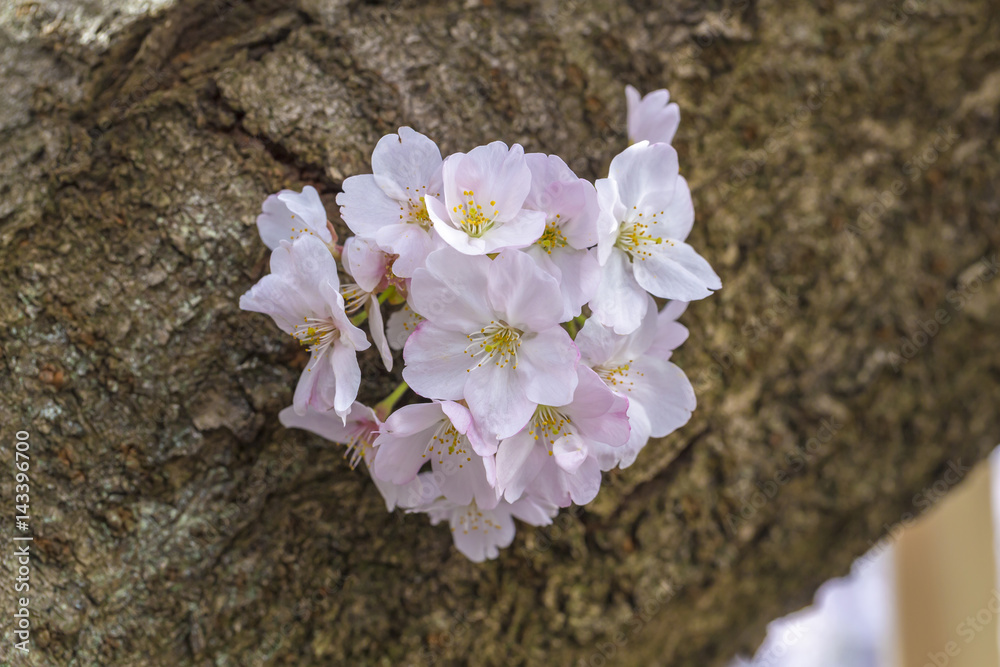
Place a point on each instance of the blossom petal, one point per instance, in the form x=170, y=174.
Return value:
x=525, y=296
x=287, y=215
x=497, y=400
x=405, y=164
x=451, y=291
x=620, y=302
x=436, y=363
x=644, y=168
x=676, y=271
x=546, y=364
x=365, y=207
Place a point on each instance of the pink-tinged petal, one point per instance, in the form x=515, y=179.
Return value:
x=519, y=459
x=365, y=262
x=623, y=456
x=404, y=440
x=451, y=291
x=463, y=422
x=611, y=213
x=521, y=231
x=402, y=323
x=597, y=343
x=377, y=329
x=641, y=169
x=468, y=483
x=366, y=208
x=533, y=512
x=651, y=118
x=598, y=413
x=664, y=392
x=498, y=177
x=676, y=271
x=578, y=273
x=361, y=421
x=522, y=294
x=399, y=495
x=290, y=292
x=411, y=243
x=569, y=452
x=568, y=202
x=555, y=485
x=546, y=364
x=436, y=363
x=405, y=164
x=315, y=382
x=344, y=361
x=497, y=400
x=672, y=213
x=289, y=214
x=620, y=302
x=486, y=539
x=350, y=335
x=670, y=334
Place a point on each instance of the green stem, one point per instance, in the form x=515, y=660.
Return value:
x=385, y=406
x=360, y=318
x=384, y=296
x=571, y=328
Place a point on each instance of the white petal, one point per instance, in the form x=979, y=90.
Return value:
x=406, y=163
x=366, y=208
x=436, y=364
x=546, y=364
x=644, y=168
x=620, y=303
x=673, y=270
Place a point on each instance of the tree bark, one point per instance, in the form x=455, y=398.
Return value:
x=176, y=522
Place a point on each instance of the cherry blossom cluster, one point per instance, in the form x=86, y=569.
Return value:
x=522, y=298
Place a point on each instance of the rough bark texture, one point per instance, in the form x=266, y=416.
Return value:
x=177, y=523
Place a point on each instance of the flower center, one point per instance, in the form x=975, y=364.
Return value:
x=475, y=221
x=616, y=377
x=552, y=237
x=317, y=335
x=473, y=519
x=635, y=239
x=448, y=442
x=360, y=442
x=354, y=297
x=548, y=425
x=414, y=209
x=497, y=342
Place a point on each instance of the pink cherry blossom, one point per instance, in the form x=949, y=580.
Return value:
x=651, y=118
x=492, y=337
x=358, y=432
x=484, y=194
x=401, y=324
x=444, y=434
x=302, y=296
x=479, y=533
x=570, y=207
x=370, y=269
x=553, y=456
x=660, y=397
x=288, y=215
x=389, y=205
x=646, y=213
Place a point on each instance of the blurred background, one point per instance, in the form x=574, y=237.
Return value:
x=925, y=595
